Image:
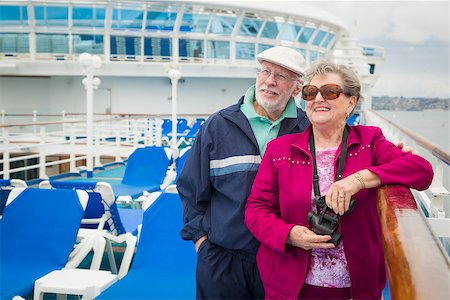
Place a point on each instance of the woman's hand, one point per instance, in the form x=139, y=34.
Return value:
x=340, y=193
x=302, y=237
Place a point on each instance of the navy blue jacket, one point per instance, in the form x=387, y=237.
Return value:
x=218, y=175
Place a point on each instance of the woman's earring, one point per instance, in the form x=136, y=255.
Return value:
x=347, y=115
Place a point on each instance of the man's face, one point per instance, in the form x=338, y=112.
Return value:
x=275, y=85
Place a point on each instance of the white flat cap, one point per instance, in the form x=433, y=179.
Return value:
x=285, y=57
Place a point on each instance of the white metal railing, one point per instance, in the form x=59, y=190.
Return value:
x=54, y=143
x=436, y=200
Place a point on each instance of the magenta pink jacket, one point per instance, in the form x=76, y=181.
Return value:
x=281, y=198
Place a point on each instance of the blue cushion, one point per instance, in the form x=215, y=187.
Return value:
x=37, y=233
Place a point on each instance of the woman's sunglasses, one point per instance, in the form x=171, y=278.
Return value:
x=328, y=92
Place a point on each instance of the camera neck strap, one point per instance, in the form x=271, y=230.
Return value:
x=342, y=155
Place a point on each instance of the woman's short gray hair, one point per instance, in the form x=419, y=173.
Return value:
x=352, y=85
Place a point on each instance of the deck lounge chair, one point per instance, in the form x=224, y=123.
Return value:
x=189, y=137
x=164, y=265
x=101, y=214
x=145, y=171
x=6, y=185
x=37, y=233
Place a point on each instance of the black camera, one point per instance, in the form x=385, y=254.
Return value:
x=325, y=221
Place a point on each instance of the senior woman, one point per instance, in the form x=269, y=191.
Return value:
x=350, y=163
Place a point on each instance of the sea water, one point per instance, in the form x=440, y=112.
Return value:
x=433, y=125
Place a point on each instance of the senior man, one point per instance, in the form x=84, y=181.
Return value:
x=220, y=169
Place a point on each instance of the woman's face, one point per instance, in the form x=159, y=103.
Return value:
x=329, y=113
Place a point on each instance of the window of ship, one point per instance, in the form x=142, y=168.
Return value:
x=51, y=15
x=126, y=19
x=313, y=56
x=262, y=47
x=290, y=32
x=13, y=15
x=194, y=23
x=270, y=30
x=245, y=51
x=92, y=44
x=218, y=49
x=319, y=38
x=306, y=34
x=160, y=21
x=88, y=17
x=222, y=25
x=11, y=43
x=190, y=48
x=128, y=47
x=250, y=27
x=157, y=48
x=328, y=39
x=52, y=43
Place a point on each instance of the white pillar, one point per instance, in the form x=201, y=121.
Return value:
x=174, y=76
x=89, y=63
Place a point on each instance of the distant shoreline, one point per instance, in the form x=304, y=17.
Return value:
x=409, y=103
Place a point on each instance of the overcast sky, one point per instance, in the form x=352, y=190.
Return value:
x=415, y=35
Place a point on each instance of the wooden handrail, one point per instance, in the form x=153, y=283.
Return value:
x=417, y=266
x=434, y=149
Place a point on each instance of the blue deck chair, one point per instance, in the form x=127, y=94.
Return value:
x=145, y=171
x=101, y=213
x=6, y=185
x=354, y=119
x=164, y=265
x=37, y=233
x=189, y=137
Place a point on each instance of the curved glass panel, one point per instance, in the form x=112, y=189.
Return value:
x=13, y=15
x=328, y=39
x=92, y=44
x=270, y=30
x=319, y=37
x=157, y=21
x=190, y=48
x=51, y=15
x=14, y=43
x=157, y=47
x=88, y=17
x=52, y=43
x=250, y=27
x=194, y=23
x=245, y=51
x=290, y=32
x=218, y=49
x=127, y=19
x=262, y=47
x=306, y=35
x=222, y=25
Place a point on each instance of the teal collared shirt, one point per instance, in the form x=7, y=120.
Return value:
x=262, y=127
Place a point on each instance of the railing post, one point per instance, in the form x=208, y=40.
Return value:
x=3, y=116
x=118, y=129
x=34, y=120
x=97, y=146
x=6, y=157
x=135, y=134
x=72, y=163
x=42, y=157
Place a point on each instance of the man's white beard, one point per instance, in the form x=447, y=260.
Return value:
x=270, y=107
